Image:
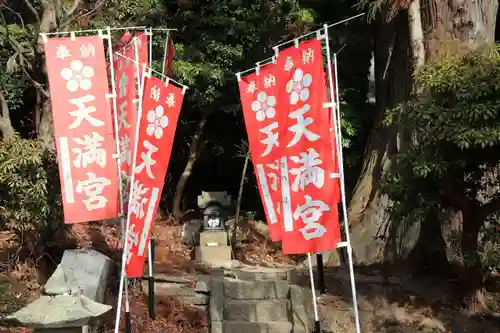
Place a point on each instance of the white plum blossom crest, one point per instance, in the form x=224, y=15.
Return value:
x=297, y=87
x=263, y=106
x=77, y=76
x=157, y=122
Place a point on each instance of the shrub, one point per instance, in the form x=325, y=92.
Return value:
x=29, y=188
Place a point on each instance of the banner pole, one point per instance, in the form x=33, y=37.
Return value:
x=313, y=290
x=336, y=115
x=325, y=26
x=150, y=40
x=131, y=194
x=119, y=161
x=151, y=279
x=165, y=53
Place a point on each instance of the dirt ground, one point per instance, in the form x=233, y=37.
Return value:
x=403, y=305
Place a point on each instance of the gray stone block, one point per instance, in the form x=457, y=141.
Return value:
x=263, y=327
x=216, y=300
x=301, y=303
x=213, y=255
x=252, y=290
x=202, y=286
x=276, y=310
x=262, y=273
x=219, y=237
x=216, y=327
x=80, y=271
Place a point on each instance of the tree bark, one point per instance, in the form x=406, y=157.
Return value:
x=464, y=21
x=48, y=23
x=5, y=125
x=194, y=151
x=368, y=213
x=473, y=280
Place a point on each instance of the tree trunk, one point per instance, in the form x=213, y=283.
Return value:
x=368, y=213
x=5, y=125
x=465, y=21
x=416, y=35
x=473, y=269
x=429, y=257
x=194, y=151
x=48, y=23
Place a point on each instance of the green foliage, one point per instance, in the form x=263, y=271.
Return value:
x=29, y=187
x=221, y=38
x=454, y=120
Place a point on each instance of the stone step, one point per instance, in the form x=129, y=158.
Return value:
x=274, y=310
x=255, y=290
x=263, y=327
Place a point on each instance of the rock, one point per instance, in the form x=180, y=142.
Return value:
x=84, y=271
x=301, y=303
x=170, y=289
x=186, y=279
x=191, y=232
x=202, y=286
x=58, y=312
x=262, y=273
x=216, y=299
x=184, y=293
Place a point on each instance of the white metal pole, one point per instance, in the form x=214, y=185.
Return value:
x=119, y=161
x=165, y=53
x=313, y=290
x=336, y=114
x=115, y=118
x=134, y=160
x=149, y=33
x=150, y=40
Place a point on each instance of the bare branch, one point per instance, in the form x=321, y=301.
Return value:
x=23, y=63
x=87, y=14
x=32, y=9
x=15, y=13
x=74, y=7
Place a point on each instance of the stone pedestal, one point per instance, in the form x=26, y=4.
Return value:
x=213, y=249
x=73, y=296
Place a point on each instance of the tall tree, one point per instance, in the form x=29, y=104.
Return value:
x=464, y=21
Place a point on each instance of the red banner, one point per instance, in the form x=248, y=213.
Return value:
x=161, y=105
x=262, y=119
x=83, y=128
x=170, y=57
x=310, y=215
x=127, y=83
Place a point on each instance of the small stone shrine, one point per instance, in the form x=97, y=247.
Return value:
x=72, y=297
x=214, y=249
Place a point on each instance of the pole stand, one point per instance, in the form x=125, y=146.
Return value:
x=128, y=323
x=151, y=284
x=321, y=273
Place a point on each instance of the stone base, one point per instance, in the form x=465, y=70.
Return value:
x=219, y=237
x=213, y=255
